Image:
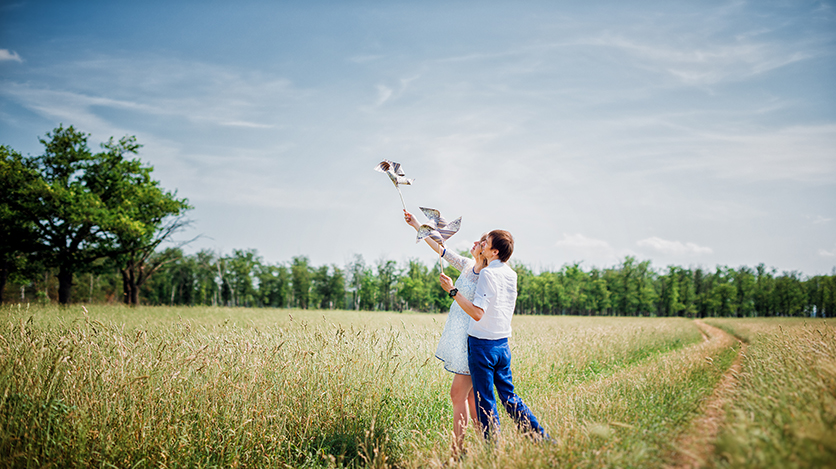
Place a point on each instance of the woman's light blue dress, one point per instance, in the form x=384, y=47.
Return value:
x=452, y=348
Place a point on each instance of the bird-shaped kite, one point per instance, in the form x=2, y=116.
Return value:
x=396, y=174
x=437, y=228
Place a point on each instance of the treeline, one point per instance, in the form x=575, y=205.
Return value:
x=636, y=289
x=244, y=279
x=630, y=288
x=74, y=223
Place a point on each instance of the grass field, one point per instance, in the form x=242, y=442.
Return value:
x=219, y=387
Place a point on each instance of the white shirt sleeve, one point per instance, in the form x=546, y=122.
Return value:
x=485, y=290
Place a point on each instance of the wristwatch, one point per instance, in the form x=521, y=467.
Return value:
x=453, y=292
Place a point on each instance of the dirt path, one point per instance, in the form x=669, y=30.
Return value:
x=697, y=444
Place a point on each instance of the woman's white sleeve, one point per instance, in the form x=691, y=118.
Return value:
x=457, y=261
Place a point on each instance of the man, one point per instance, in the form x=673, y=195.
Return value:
x=489, y=356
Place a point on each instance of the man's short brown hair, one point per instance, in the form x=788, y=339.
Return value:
x=503, y=242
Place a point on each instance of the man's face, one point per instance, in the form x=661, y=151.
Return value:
x=487, y=248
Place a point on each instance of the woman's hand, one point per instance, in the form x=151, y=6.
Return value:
x=410, y=220
x=446, y=282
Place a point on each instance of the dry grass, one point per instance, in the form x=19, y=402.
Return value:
x=783, y=413
x=215, y=387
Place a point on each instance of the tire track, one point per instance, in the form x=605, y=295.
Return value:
x=696, y=446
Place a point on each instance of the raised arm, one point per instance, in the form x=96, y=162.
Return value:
x=411, y=221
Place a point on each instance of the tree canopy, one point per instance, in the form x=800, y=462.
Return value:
x=70, y=207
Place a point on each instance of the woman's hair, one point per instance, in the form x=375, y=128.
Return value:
x=484, y=259
x=503, y=242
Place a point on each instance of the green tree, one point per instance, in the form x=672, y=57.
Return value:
x=763, y=294
x=273, y=285
x=687, y=293
x=83, y=207
x=127, y=191
x=632, y=287
x=300, y=272
x=669, y=301
x=70, y=220
x=525, y=290
x=17, y=232
x=206, y=278
x=387, y=281
x=744, y=280
x=241, y=267
x=790, y=296
x=599, y=296
x=575, y=288
x=414, y=286
x=328, y=287
x=336, y=288
x=368, y=289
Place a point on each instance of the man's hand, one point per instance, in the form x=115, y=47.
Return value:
x=446, y=282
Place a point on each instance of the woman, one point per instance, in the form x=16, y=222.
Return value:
x=452, y=348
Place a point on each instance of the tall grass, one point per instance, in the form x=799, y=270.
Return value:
x=784, y=410
x=217, y=387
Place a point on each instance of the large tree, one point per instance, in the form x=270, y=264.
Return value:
x=82, y=206
x=69, y=220
x=152, y=215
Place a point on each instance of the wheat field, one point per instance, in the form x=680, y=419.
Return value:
x=110, y=386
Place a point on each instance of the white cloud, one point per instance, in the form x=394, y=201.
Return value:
x=383, y=94
x=825, y=253
x=360, y=59
x=214, y=95
x=673, y=247
x=6, y=54
x=821, y=220
x=707, y=64
x=251, y=125
x=580, y=241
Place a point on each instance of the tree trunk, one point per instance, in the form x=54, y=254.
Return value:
x=126, y=288
x=135, y=294
x=130, y=288
x=4, y=275
x=65, y=285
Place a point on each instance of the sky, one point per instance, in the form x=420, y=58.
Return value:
x=694, y=134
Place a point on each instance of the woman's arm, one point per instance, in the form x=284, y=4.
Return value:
x=472, y=310
x=411, y=221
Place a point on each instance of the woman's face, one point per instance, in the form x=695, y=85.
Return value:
x=476, y=250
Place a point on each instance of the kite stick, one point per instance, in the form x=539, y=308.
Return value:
x=399, y=193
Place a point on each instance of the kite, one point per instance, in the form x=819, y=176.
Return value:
x=396, y=174
x=437, y=228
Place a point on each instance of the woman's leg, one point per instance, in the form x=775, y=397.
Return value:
x=459, y=392
x=471, y=406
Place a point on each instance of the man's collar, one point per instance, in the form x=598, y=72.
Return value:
x=496, y=262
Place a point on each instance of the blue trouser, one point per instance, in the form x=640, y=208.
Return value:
x=490, y=365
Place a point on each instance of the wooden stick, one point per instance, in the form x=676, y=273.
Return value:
x=399, y=193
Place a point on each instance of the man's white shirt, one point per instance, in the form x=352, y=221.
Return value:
x=496, y=294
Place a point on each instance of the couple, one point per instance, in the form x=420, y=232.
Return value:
x=474, y=343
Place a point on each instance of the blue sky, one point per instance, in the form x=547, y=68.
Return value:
x=687, y=133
